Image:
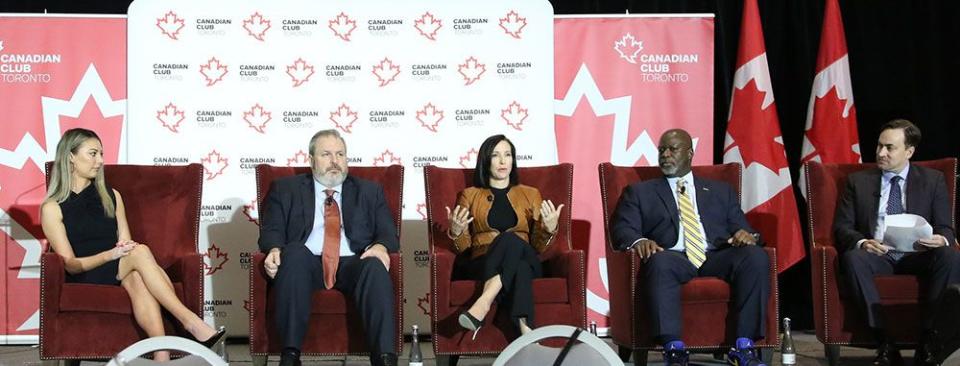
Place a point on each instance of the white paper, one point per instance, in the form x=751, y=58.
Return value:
x=903, y=230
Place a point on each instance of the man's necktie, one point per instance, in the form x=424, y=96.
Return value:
x=331, y=239
x=895, y=207
x=692, y=242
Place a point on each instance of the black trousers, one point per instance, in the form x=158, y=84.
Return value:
x=366, y=281
x=517, y=264
x=746, y=269
x=936, y=269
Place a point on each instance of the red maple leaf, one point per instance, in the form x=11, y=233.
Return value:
x=430, y=117
x=170, y=117
x=514, y=115
x=247, y=305
x=386, y=158
x=471, y=70
x=257, y=118
x=300, y=72
x=213, y=71
x=513, y=24
x=214, y=259
x=343, y=117
x=252, y=212
x=301, y=158
x=754, y=129
x=214, y=164
x=424, y=303
x=422, y=210
x=256, y=26
x=832, y=134
x=342, y=26
x=386, y=71
x=170, y=25
x=470, y=159
x=428, y=26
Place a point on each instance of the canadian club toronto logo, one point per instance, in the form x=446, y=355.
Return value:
x=214, y=259
x=257, y=118
x=256, y=26
x=428, y=26
x=300, y=72
x=342, y=26
x=170, y=117
x=213, y=71
x=471, y=70
x=628, y=48
x=469, y=159
x=170, y=25
x=301, y=158
x=343, y=117
x=386, y=158
x=386, y=71
x=214, y=164
x=513, y=24
x=430, y=117
x=514, y=115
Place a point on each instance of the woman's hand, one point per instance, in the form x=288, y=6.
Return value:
x=459, y=219
x=122, y=248
x=550, y=215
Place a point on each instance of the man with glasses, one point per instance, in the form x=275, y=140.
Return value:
x=684, y=227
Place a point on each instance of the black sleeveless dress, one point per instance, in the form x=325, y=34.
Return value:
x=90, y=232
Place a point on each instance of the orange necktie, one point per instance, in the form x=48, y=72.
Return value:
x=331, y=239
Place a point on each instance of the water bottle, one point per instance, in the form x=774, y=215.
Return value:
x=416, y=357
x=593, y=327
x=788, y=356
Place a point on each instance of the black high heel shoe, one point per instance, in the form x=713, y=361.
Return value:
x=214, y=339
x=470, y=323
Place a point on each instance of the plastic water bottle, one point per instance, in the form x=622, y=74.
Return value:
x=416, y=357
x=788, y=356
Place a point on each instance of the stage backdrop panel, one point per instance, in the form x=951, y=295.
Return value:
x=56, y=73
x=232, y=84
x=620, y=83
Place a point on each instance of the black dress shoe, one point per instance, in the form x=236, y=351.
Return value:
x=926, y=354
x=888, y=355
x=290, y=357
x=383, y=359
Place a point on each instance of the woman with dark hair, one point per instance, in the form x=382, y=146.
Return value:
x=498, y=227
x=85, y=222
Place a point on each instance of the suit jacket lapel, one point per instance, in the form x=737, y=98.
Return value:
x=873, y=199
x=348, y=200
x=914, y=188
x=308, y=198
x=669, y=203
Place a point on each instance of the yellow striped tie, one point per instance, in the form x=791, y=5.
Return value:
x=692, y=242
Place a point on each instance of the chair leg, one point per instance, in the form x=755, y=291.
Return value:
x=832, y=353
x=259, y=360
x=624, y=353
x=640, y=358
x=447, y=360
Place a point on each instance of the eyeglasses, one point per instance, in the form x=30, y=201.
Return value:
x=673, y=149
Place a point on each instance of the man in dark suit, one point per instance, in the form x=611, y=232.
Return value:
x=685, y=227
x=896, y=187
x=308, y=247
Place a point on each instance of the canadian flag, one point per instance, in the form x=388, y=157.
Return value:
x=754, y=140
x=831, y=132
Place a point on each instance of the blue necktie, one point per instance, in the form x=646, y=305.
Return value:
x=895, y=207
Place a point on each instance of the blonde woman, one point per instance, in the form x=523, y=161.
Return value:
x=85, y=223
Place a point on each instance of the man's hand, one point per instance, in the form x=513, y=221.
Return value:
x=741, y=238
x=646, y=248
x=272, y=263
x=933, y=242
x=380, y=252
x=874, y=247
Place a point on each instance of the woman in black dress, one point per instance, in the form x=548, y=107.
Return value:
x=85, y=223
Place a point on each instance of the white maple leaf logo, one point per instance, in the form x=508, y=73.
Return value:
x=257, y=117
x=471, y=70
x=469, y=159
x=214, y=259
x=301, y=158
x=628, y=48
x=428, y=26
x=1, y=45
x=514, y=115
x=422, y=210
x=342, y=26
x=252, y=212
x=170, y=25
x=386, y=158
x=300, y=72
x=513, y=24
x=170, y=117
x=213, y=71
x=256, y=26
x=343, y=117
x=430, y=117
x=214, y=164
x=386, y=71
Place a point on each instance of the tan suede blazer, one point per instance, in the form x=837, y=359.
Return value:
x=526, y=203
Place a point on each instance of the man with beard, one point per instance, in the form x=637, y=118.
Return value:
x=684, y=227
x=898, y=187
x=328, y=230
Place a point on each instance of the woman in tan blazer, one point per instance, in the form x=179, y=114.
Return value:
x=498, y=227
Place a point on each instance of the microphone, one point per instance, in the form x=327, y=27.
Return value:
x=328, y=201
x=683, y=189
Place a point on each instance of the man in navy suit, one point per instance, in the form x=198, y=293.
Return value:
x=897, y=187
x=684, y=227
x=329, y=230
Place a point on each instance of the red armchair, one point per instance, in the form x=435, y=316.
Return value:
x=335, y=326
x=559, y=296
x=87, y=321
x=704, y=299
x=838, y=319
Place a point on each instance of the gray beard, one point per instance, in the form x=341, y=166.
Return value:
x=328, y=181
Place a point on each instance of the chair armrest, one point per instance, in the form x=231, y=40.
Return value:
x=258, y=287
x=622, y=271
x=773, y=317
x=188, y=270
x=52, y=276
x=572, y=266
x=441, y=263
x=823, y=278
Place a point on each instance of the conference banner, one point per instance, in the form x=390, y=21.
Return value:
x=620, y=82
x=234, y=84
x=56, y=73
